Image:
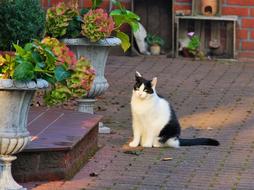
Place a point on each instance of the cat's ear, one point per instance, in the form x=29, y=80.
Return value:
x=154, y=82
x=138, y=75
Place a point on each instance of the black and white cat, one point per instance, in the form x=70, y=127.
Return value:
x=154, y=121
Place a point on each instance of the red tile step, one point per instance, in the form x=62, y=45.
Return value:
x=62, y=142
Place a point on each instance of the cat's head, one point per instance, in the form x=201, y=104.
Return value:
x=144, y=88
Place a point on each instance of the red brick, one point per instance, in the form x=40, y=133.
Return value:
x=44, y=3
x=247, y=45
x=88, y=4
x=182, y=7
x=252, y=34
x=241, y=2
x=248, y=23
x=240, y=11
x=185, y=1
x=252, y=12
x=55, y=2
x=243, y=34
x=246, y=54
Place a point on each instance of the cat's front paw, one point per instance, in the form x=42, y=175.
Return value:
x=157, y=145
x=147, y=145
x=133, y=144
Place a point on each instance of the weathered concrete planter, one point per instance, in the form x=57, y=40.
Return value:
x=97, y=52
x=15, y=99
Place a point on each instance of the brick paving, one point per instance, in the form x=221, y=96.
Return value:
x=212, y=99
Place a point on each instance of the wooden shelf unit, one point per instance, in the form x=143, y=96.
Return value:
x=222, y=28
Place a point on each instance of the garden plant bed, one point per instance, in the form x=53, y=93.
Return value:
x=62, y=141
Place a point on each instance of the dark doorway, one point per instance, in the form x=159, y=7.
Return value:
x=156, y=17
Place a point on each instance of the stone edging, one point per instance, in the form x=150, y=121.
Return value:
x=29, y=85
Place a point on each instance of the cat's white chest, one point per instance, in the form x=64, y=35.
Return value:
x=154, y=111
x=142, y=108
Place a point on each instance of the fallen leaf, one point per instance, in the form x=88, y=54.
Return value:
x=132, y=150
x=167, y=159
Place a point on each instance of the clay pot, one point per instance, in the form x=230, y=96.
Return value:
x=155, y=49
x=209, y=7
x=186, y=52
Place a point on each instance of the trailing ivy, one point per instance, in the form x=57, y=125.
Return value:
x=20, y=22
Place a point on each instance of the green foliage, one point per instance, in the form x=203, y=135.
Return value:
x=125, y=40
x=20, y=22
x=61, y=73
x=7, y=66
x=24, y=71
x=122, y=16
x=58, y=20
x=53, y=61
x=74, y=27
x=96, y=3
x=93, y=23
x=60, y=93
x=154, y=40
x=75, y=85
x=194, y=44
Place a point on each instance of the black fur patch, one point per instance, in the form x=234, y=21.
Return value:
x=147, y=83
x=172, y=129
x=199, y=141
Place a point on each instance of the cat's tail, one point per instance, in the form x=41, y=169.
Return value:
x=198, y=141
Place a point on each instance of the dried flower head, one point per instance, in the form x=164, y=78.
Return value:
x=97, y=25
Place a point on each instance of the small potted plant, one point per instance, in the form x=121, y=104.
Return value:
x=38, y=65
x=155, y=43
x=192, y=47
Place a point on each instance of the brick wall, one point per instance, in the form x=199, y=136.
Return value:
x=244, y=9
x=83, y=3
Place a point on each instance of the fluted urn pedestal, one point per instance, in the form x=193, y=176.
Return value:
x=15, y=100
x=97, y=53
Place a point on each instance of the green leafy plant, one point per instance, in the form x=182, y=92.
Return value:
x=94, y=23
x=154, y=40
x=52, y=61
x=76, y=85
x=7, y=66
x=20, y=21
x=122, y=16
x=194, y=44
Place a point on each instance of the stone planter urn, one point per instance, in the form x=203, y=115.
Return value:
x=15, y=100
x=97, y=53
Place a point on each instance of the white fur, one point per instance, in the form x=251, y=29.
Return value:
x=138, y=74
x=173, y=142
x=149, y=115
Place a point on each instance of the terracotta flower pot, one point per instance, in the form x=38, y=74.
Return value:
x=155, y=49
x=209, y=7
